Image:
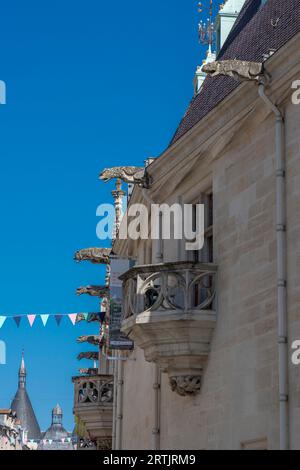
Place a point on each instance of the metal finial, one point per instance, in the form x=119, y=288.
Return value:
x=206, y=30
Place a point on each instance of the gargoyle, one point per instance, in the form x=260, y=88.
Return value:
x=94, y=291
x=93, y=339
x=128, y=174
x=91, y=318
x=88, y=355
x=95, y=255
x=237, y=69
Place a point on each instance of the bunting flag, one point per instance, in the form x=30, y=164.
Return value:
x=31, y=319
x=51, y=441
x=58, y=319
x=44, y=319
x=73, y=317
x=17, y=321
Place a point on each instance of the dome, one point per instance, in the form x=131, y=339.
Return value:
x=56, y=437
x=56, y=431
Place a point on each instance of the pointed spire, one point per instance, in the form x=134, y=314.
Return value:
x=22, y=406
x=22, y=372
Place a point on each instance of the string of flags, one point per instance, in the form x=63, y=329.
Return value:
x=73, y=317
x=50, y=441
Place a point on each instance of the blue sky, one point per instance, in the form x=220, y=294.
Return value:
x=89, y=85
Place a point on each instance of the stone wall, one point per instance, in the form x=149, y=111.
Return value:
x=238, y=406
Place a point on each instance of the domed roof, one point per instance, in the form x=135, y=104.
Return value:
x=56, y=431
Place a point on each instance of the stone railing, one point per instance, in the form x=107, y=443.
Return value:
x=184, y=286
x=93, y=405
x=169, y=312
x=95, y=389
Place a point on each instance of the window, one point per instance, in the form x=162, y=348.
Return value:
x=206, y=255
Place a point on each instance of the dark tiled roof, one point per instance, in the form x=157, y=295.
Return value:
x=252, y=36
x=22, y=406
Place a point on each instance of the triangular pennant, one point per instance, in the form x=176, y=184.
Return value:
x=31, y=319
x=44, y=319
x=17, y=321
x=50, y=441
x=63, y=440
x=73, y=317
x=2, y=321
x=58, y=319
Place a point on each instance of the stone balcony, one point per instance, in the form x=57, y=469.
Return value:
x=169, y=313
x=93, y=405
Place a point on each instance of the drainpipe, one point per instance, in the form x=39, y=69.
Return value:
x=281, y=271
x=119, y=411
x=157, y=372
x=115, y=365
x=156, y=427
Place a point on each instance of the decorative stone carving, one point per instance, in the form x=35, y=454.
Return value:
x=91, y=318
x=91, y=390
x=93, y=355
x=168, y=312
x=94, y=291
x=93, y=339
x=104, y=444
x=237, y=69
x=171, y=286
x=128, y=174
x=93, y=405
x=95, y=255
x=186, y=385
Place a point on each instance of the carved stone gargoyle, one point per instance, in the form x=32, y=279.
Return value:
x=128, y=174
x=95, y=255
x=93, y=339
x=94, y=355
x=93, y=291
x=91, y=318
x=238, y=69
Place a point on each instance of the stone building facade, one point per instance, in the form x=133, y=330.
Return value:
x=11, y=433
x=207, y=374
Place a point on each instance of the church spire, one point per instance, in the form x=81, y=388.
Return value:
x=22, y=372
x=22, y=406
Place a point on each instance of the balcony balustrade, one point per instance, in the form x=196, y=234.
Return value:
x=93, y=405
x=169, y=313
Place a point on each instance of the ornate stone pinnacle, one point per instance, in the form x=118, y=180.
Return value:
x=118, y=195
x=186, y=385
